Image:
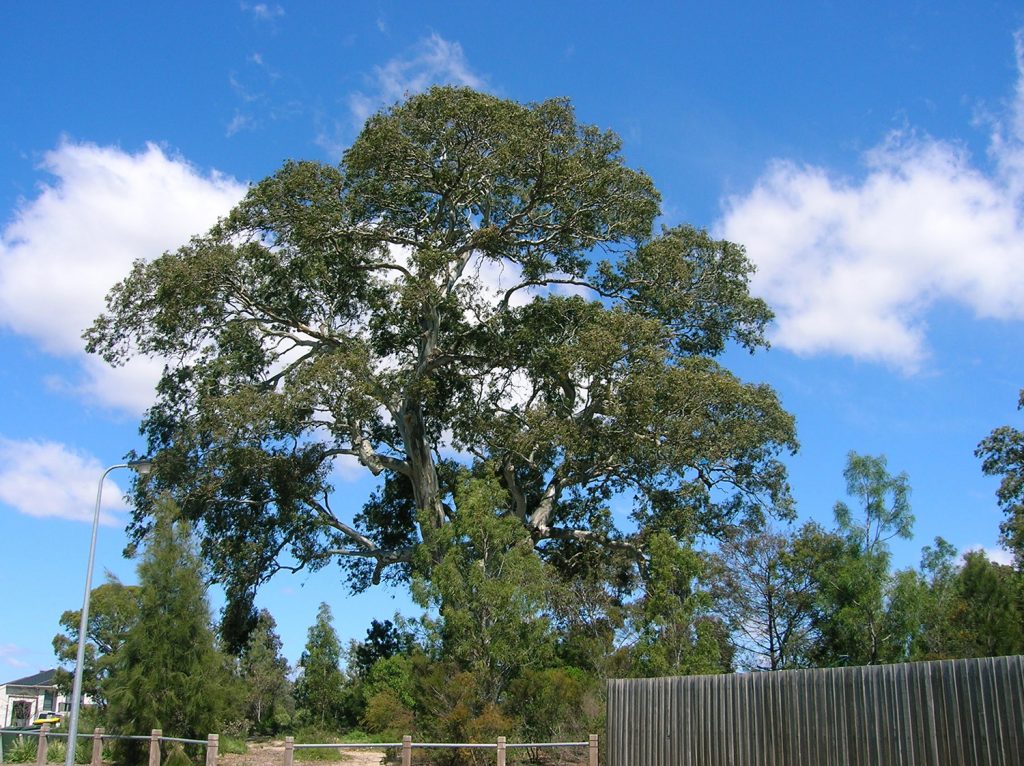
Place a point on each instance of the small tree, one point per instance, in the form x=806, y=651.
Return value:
x=490, y=590
x=318, y=690
x=675, y=634
x=265, y=675
x=168, y=674
x=114, y=609
x=764, y=592
x=852, y=621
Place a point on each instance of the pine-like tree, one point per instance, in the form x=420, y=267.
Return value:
x=318, y=690
x=169, y=674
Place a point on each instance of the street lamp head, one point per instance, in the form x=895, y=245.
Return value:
x=141, y=467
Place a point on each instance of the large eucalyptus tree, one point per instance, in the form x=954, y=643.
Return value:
x=475, y=287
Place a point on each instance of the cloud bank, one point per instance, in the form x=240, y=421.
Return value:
x=852, y=267
x=64, y=249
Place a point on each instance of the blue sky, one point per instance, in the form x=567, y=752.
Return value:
x=870, y=157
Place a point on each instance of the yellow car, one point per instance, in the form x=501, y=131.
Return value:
x=47, y=716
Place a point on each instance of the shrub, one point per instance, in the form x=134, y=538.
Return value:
x=22, y=751
x=178, y=757
x=387, y=716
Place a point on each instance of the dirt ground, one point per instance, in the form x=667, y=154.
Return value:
x=272, y=754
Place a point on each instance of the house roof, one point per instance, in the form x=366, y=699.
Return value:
x=42, y=678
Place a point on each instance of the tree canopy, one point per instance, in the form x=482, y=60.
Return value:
x=474, y=288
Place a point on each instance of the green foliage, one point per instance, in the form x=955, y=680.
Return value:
x=23, y=750
x=233, y=745
x=264, y=675
x=168, y=673
x=383, y=641
x=988, y=620
x=490, y=590
x=388, y=715
x=318, y=690
x=671, y=639
x=453, y=707
x=856, y=619
x=349, y=311
x=177, y=757
x=113, y=610
x=885, y=500
x=554, y=703
x=1002, y=453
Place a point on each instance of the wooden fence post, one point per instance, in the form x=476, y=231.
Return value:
x=97, y=746
x=41, y=745
x=406, y=750
x=593, y=750
x=212, y=745
x=501, y=751
x=289, y=751
x=154, y=747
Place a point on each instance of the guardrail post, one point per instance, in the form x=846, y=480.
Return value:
x=212, y=745
x=41, y=745
x=154, y=747
x=406, y=750
x=97, y=746
x=593, y=750
x=501, y=751
x=289, y=751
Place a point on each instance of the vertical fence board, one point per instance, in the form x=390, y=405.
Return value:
x=964, y=712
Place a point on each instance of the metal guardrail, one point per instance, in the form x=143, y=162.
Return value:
x=212, y=744
x=407, y=745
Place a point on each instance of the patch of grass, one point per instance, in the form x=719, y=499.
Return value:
x=316, y=736
x=234, y=745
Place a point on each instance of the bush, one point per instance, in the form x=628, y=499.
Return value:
x=178, y=757
x=387, y=716
x=22, y=751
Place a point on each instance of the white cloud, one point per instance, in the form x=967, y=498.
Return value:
x=64, y=249
x=48, y=479
x=998, y=555
x=852, y=267
x=263, y=11
x=432, y=61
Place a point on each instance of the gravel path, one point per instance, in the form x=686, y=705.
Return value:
x=272, y=754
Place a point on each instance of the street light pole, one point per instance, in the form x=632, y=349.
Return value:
x=142, y=467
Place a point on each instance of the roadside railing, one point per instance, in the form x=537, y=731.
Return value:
x=155, y=738
x=406, y=746
x=212, y=744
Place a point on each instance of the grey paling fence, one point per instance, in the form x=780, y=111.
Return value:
x=953, y=712
x=212, y=743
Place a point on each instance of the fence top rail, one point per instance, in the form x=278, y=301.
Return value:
x=464, y=745
x=547, y=744
x=35, y=732
x=347, y=745
x=182, y=740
